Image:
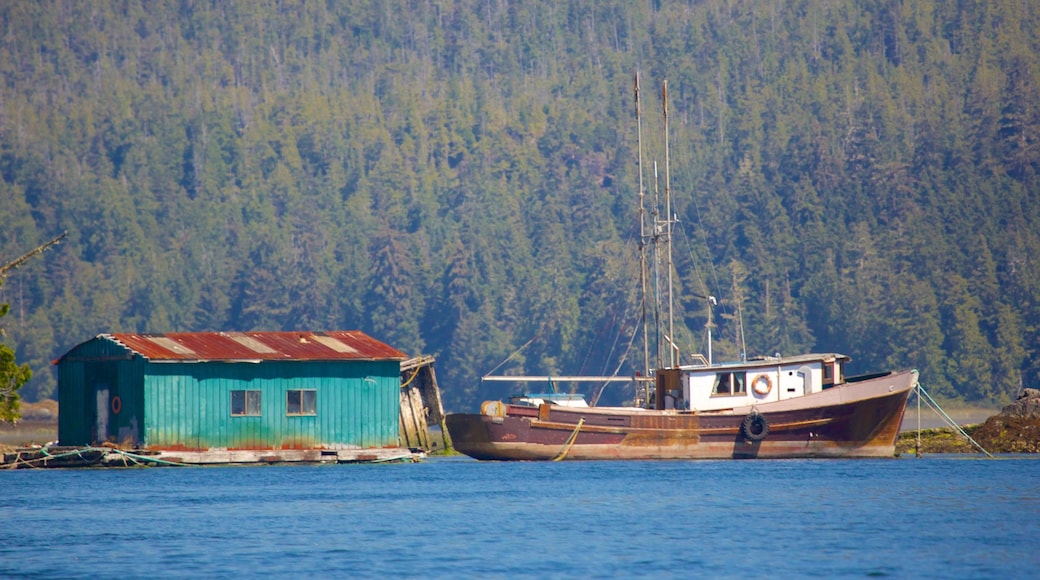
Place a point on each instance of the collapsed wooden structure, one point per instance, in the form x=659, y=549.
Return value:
x=421, y=407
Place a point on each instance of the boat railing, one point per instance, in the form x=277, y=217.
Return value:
x=555, y=379
x=867, y=377
x=699, y=358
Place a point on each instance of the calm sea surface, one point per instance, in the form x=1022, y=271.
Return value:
x=939, y=517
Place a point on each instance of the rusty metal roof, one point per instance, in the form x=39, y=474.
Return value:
x=242, y=346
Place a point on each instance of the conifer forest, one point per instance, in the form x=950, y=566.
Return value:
x=462, y=178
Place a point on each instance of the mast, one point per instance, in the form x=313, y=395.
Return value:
x=658, y=363
x=660, y=232
x=642, y=230
x=668, y=228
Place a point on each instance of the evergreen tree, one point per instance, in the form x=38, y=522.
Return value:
x=462, y=176
x=12, y=377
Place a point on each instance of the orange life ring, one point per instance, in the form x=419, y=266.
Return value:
x=762, y=385
x=493, y=408
x=117, y=404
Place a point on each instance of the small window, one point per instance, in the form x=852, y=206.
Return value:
x=738, y=384
x=300, y=402
x=721, y=384
x=245, y=403
x=727, y=384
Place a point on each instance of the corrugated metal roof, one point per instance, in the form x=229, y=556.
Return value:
x=299, y=345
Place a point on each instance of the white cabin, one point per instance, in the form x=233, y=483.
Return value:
x=768, y=379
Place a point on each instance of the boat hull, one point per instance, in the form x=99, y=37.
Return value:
x=856, y=419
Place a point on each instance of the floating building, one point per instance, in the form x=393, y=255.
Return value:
x=234, y=397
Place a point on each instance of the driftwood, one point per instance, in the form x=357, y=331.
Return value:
x=4, y=269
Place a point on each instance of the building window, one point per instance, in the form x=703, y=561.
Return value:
x=728, y=384
x=300, y=402
x=245, y=403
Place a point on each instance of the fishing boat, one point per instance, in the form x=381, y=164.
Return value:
x=759, y=407
x=774, y=407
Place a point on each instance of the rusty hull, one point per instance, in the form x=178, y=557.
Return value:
x=857, y=419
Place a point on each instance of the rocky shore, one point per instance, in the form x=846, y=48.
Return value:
x=1016, y=429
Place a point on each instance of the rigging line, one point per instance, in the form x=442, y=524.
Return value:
x=517, y=351
x=613, y=345
x=588, y=352
x=624, y=356
x=621, y=361
x=686, y=163
x=704, y=239
x=737, y=311
x=696, y=267
x=617, y=337
x=931, y=402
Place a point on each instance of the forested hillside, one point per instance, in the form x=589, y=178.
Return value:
x=461, y=178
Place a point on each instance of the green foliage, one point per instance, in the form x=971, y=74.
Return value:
x=12, y=378
x=459, y=178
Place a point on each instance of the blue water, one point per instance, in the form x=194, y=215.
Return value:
x=939, y=517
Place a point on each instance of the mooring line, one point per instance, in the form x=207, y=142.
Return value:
x=78, y=452
x=931, y=402
x=570, y=441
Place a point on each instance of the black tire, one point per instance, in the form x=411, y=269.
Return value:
x=755, y=427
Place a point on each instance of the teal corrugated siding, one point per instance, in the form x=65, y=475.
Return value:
x=93, y=365
x=187, y=405
x=73, y=422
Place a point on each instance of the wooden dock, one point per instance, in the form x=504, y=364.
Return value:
x=421, y=424
x=70, y=457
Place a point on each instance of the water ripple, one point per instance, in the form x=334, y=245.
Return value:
x=933, y=517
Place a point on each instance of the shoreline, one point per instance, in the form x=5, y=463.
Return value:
x=40, y=427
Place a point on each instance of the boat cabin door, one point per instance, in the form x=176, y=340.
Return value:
x=806, y=373
x=669, y=389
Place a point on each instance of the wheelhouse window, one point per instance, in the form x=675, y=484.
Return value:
x=301, y=402
x=729, y=384
x=245, y=403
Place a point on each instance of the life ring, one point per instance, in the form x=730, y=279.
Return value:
x=117, y=404
x=493, y=409
x=755, y=427
x=762, y=385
